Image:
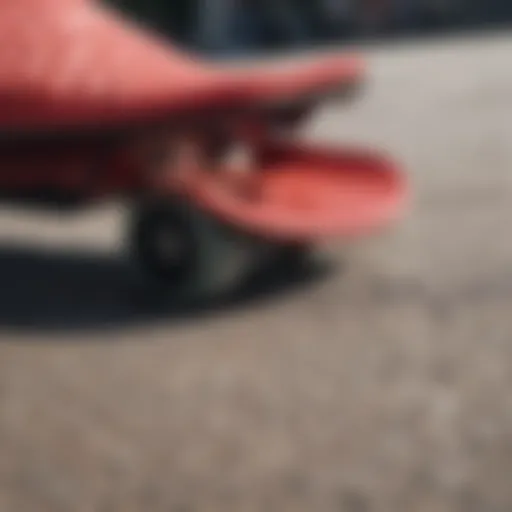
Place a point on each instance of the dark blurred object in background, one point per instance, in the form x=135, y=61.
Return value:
x=239, y=27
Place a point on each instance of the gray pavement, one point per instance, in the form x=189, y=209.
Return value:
x=384, y=385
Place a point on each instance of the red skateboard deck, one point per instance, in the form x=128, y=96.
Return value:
x=75, y=63
x=303, y=194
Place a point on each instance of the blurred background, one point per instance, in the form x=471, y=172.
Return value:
x=378, y=382
x=227, y=27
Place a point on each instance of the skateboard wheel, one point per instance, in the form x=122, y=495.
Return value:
x=182, y=248
x=293, y=256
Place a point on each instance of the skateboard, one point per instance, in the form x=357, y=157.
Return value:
x=208, y=156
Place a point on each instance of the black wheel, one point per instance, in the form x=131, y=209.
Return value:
x=181, y=247
x=293, y=258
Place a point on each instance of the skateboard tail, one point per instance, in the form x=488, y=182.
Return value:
x=303, y=194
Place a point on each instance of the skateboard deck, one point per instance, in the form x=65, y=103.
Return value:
x=77, y=63
x=307, y=193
